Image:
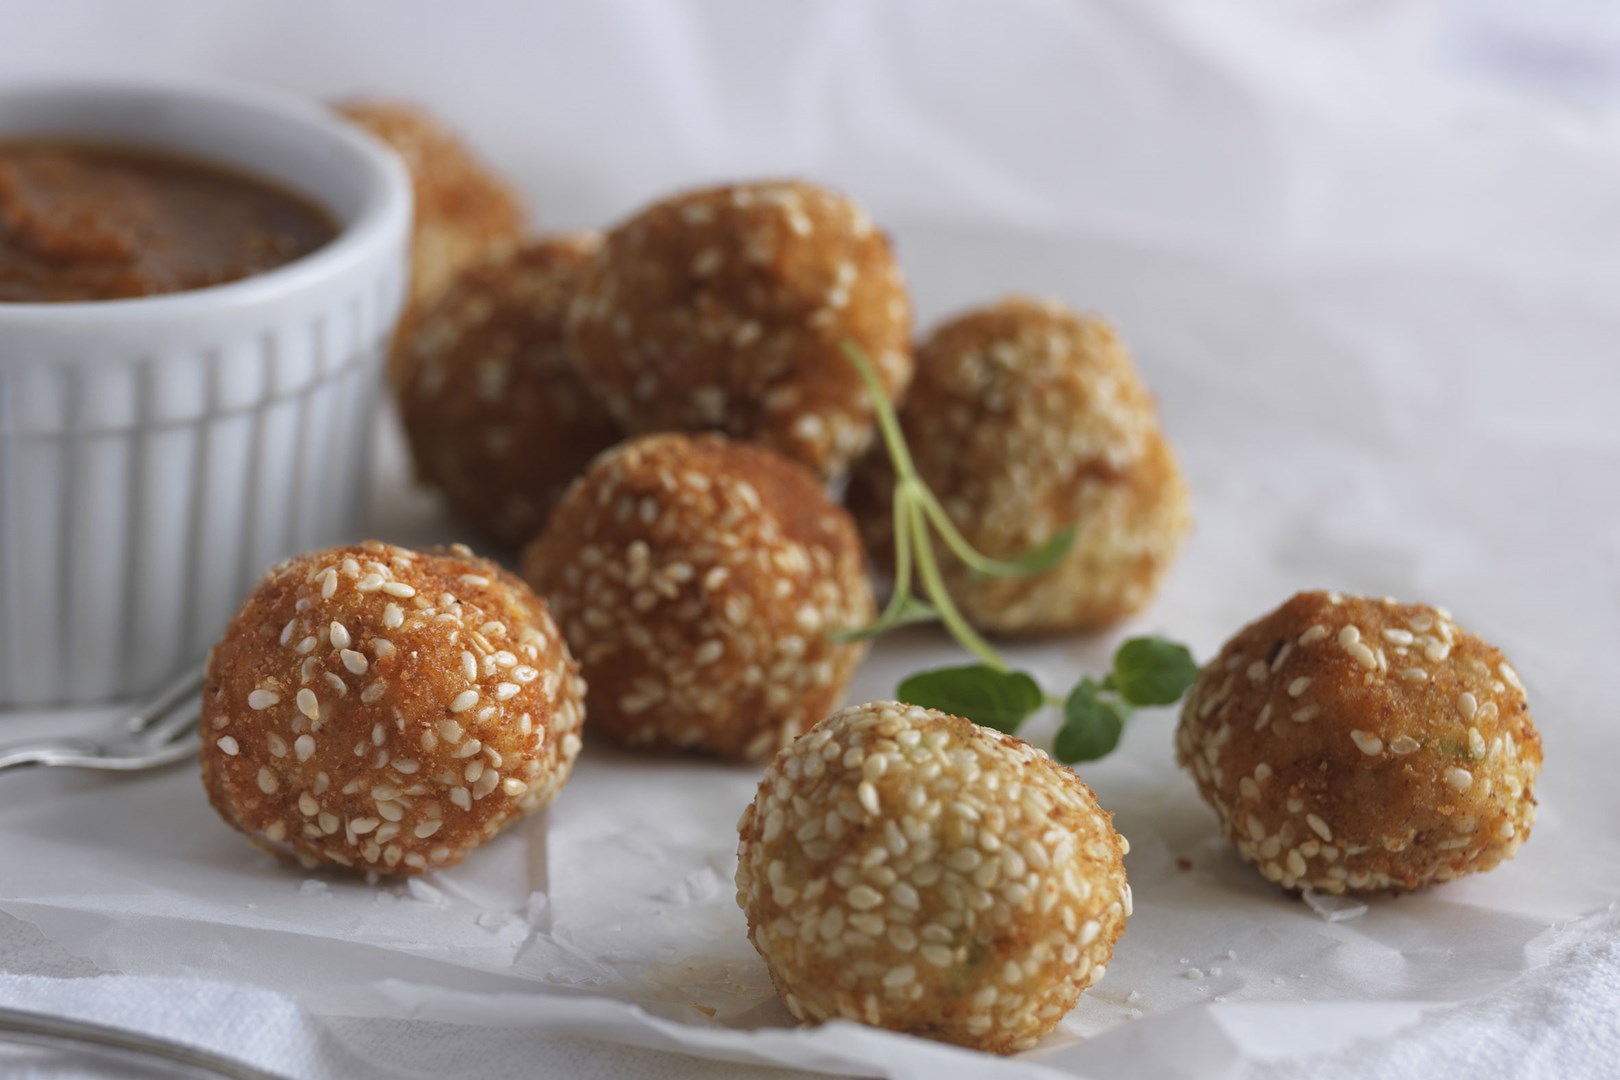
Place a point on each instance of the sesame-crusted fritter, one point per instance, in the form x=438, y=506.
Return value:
x=1355, y=745
x=387, y=710
x=698, y=581
x=464, y=212
x=1026, y=419
x=726, y=309
x=496, y=417
x=908, y=869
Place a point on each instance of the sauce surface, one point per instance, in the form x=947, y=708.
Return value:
x=88, y=222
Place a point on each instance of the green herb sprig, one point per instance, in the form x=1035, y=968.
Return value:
x=1147, y=671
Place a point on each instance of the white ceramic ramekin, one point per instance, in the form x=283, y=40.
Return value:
x=158, y=454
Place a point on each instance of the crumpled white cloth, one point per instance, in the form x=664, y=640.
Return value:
x=1370, y=280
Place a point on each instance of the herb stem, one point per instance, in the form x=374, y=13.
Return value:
x=894, y=439
x=940, y=597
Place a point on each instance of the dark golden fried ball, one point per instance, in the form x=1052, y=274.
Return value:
x=387, y=710
x=496, y=417
x=464, y=212
x=698, y=581
x=725, y=309
x=907, y=869
x=1026, y=419
x=1355, y=745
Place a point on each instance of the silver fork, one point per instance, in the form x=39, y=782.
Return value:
x=160, y=732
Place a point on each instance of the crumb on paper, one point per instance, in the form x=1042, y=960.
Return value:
x=1133, y=997
x=314, y=887
x=706, y=1010
x=1183, y=863
x=1333, y=908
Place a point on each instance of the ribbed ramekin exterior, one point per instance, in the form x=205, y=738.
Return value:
x=143, y=494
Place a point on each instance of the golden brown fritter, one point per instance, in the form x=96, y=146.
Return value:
x=1026, y=419
x=725, y=309
x=386, y=710
x=464, y=212
x=1355, y=745
x=698, y=581
x=496, y=417
x=907, y=869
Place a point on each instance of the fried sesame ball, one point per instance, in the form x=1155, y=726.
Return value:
x=1026, y=419
x=1355, y=745
x=464, y=212
x=496, y=417
x=386, y=710
x=698, y=580
x=908, y=869
x=725, y=309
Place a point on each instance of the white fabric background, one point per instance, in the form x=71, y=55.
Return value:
x=1365, y=255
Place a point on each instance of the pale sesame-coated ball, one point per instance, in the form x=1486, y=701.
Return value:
x=699, y=582
x=496, y=417
x=387, y=710
x=463, y=211
x=1356, y=745
x=725, y=310
x=1025, y=419
x=908, y=869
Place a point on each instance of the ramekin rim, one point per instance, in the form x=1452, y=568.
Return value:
x=384, y=213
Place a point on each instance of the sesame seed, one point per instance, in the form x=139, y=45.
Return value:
x=1311, y=636
x=1476, y=742
x=1364, y=655
x=937, y=955
x=308, y=704
x=1413, y=674
x=374, y=691
x=1299, y=686
x=329, y=583
x=469, y=666
x=464, y=701
x=304, y=747
x=353, y=661
x=1467, y=705
x=399, y=589
x=260, y=700
x=1459, y=779
x=1349, y=636
x=863, y=898
x=1257, y=671
x=1436, y=651
x=1510, y=675
x=307, y=804
x=338, y=634
x=899, y=976
x=393, y=617
x=450, y=731
x=228, y=744
x=1368, y=744
x=1305, y=714
x=267, y=780
x=868, y=796
x=361, y=826
x=1319, y=827
x=461, y=797
x=1396, y=636
x=307, y=646
x=513, y=786
x=427, y=828
x=475, y=581
x=1403, y=745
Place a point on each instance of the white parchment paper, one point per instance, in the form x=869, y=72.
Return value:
x=1373, y=288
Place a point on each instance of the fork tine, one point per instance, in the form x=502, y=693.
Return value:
x=172, y=697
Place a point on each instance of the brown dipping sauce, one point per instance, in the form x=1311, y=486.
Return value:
x=93, y=222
